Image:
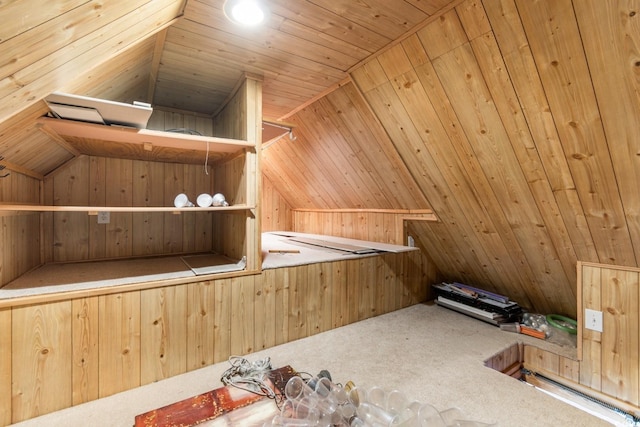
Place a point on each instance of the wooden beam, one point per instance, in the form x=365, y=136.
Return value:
x=155, y=63
x=17, y=168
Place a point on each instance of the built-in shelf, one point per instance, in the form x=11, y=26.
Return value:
x=144, y=144
x=143, y=136
x=66, y=208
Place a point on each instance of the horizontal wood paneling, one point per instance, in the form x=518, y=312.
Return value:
x=81, y=349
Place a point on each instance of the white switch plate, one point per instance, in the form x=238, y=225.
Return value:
x=104, y=217
x=593, y=320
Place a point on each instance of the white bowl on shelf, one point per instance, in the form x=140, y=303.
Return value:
x=204, y=200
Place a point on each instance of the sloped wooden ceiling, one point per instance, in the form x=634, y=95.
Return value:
x=515, y=120
x=304, y=48
x=518, y=121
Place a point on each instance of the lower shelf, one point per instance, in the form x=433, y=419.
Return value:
x=77, y=276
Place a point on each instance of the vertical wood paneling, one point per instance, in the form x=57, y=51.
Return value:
x=41, y=381
x=591, y=341
x=70, y=240
x=541, y=360
x=93, y=347
x=116, y=182
x=339, y=294
x=148, y=226
x=242, y=315
x=297, y=313
x=5, y=366
x=21, y=244
x=200, y=325
x=97, y=180
x=276, y=211
x=354, y=291
x=367, y=288
x=282, y=278
x=222, y=319
x=609, y=360
x=163, y=333
x=319, y=297
x=85, y=374
x=620, y=335
x=119, y=342
x=119, y=193
x=265, y=312
x=173, y=185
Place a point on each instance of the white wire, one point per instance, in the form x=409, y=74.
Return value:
x=206, y=160
x=249, y=376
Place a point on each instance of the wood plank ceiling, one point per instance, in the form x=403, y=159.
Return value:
x=304, y=49
x=518, y=122
x=515, y=120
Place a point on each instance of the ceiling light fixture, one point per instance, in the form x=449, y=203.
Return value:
x=248, y=13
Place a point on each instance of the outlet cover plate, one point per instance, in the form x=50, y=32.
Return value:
x=593, y=320
x=104, y=217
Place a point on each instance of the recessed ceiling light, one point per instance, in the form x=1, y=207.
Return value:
x=245, y=12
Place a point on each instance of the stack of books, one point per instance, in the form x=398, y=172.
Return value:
x=483, y=305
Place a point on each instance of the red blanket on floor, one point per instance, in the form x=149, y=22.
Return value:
x=215, y=404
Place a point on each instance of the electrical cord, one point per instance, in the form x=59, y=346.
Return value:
x=250, y=376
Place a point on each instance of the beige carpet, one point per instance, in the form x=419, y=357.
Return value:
x=432, y=354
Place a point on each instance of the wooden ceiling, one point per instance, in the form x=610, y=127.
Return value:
x=179, y=55
x=514, y=120
x=304, y=49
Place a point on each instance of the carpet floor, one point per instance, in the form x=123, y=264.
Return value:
x=430, y=353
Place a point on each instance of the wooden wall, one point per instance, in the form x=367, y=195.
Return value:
x=239, y=178
x=276, y=212
x=99, y=181
x=608, y=365
x=516, y=123
x=44, y=53
x=73, y=350
x=377, y=225
x=20, y=235
x=609, y=359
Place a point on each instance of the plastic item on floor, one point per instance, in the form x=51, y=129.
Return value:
x=562, y=330
x=319, y=402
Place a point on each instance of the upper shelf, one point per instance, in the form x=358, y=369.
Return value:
x=141, y=144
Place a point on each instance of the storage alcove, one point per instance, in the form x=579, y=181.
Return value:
x=132, y=176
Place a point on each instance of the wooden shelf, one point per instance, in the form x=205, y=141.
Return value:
x=143, y=144
x=96, y=209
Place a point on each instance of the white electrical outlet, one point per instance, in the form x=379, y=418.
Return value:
x=410, y=241
x=593, y=320
x=104, y=217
